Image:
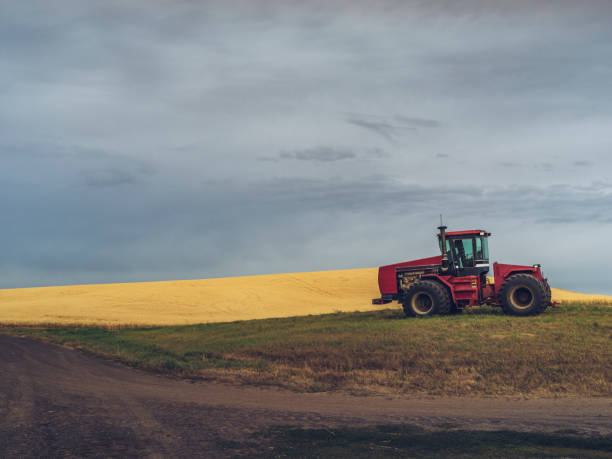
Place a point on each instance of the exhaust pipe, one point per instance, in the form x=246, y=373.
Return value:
x=442, y=229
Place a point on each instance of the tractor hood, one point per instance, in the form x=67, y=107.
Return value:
x=387, y=279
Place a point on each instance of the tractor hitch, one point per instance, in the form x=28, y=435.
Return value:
x=381, y=300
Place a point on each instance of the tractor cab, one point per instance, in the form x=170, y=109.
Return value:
x=467, y=252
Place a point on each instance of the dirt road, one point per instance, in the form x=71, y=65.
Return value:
x=59, y=402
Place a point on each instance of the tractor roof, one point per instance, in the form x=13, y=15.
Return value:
x=475, y=232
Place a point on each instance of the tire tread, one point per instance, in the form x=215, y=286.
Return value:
x=442, y=300
x=514, y=279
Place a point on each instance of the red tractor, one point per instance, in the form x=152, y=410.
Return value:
x=457, y=279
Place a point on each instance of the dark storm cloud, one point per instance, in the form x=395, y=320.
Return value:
x=89, y=166
x=417, y=122
x=544, y=166
x=322, y=154
x=382, y=128
x=117, y=170
x=110, y=177
x=390, y=127
x=50, y=150
x=77, y=155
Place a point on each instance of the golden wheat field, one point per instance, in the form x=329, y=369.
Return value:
x=206, y=300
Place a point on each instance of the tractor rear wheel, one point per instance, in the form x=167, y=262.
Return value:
x=523, y=295
x=425, y=298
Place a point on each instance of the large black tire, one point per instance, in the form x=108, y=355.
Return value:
x=523, y=295
x=426, y=298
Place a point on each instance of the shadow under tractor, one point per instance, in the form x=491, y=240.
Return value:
x=457, y=279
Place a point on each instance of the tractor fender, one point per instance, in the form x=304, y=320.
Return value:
x=502, y=271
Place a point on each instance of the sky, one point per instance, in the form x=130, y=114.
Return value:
x=154, y=140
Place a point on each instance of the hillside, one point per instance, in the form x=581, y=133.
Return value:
x=206, y=300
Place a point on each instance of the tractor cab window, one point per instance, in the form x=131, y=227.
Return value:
x=463, y=251
x=482, y=249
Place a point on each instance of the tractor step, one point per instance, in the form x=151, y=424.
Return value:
x=381, y=300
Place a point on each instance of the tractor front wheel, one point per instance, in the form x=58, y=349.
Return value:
x=426, y=298
x=523, y=295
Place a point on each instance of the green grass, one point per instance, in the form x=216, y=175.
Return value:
x=481, y=352
x=411, y=441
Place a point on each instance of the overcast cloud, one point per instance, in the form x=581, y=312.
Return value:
x=149, y=141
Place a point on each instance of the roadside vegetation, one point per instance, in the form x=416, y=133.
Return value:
x=564, y=351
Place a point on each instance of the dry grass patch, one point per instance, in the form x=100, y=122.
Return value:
x=564, y=351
